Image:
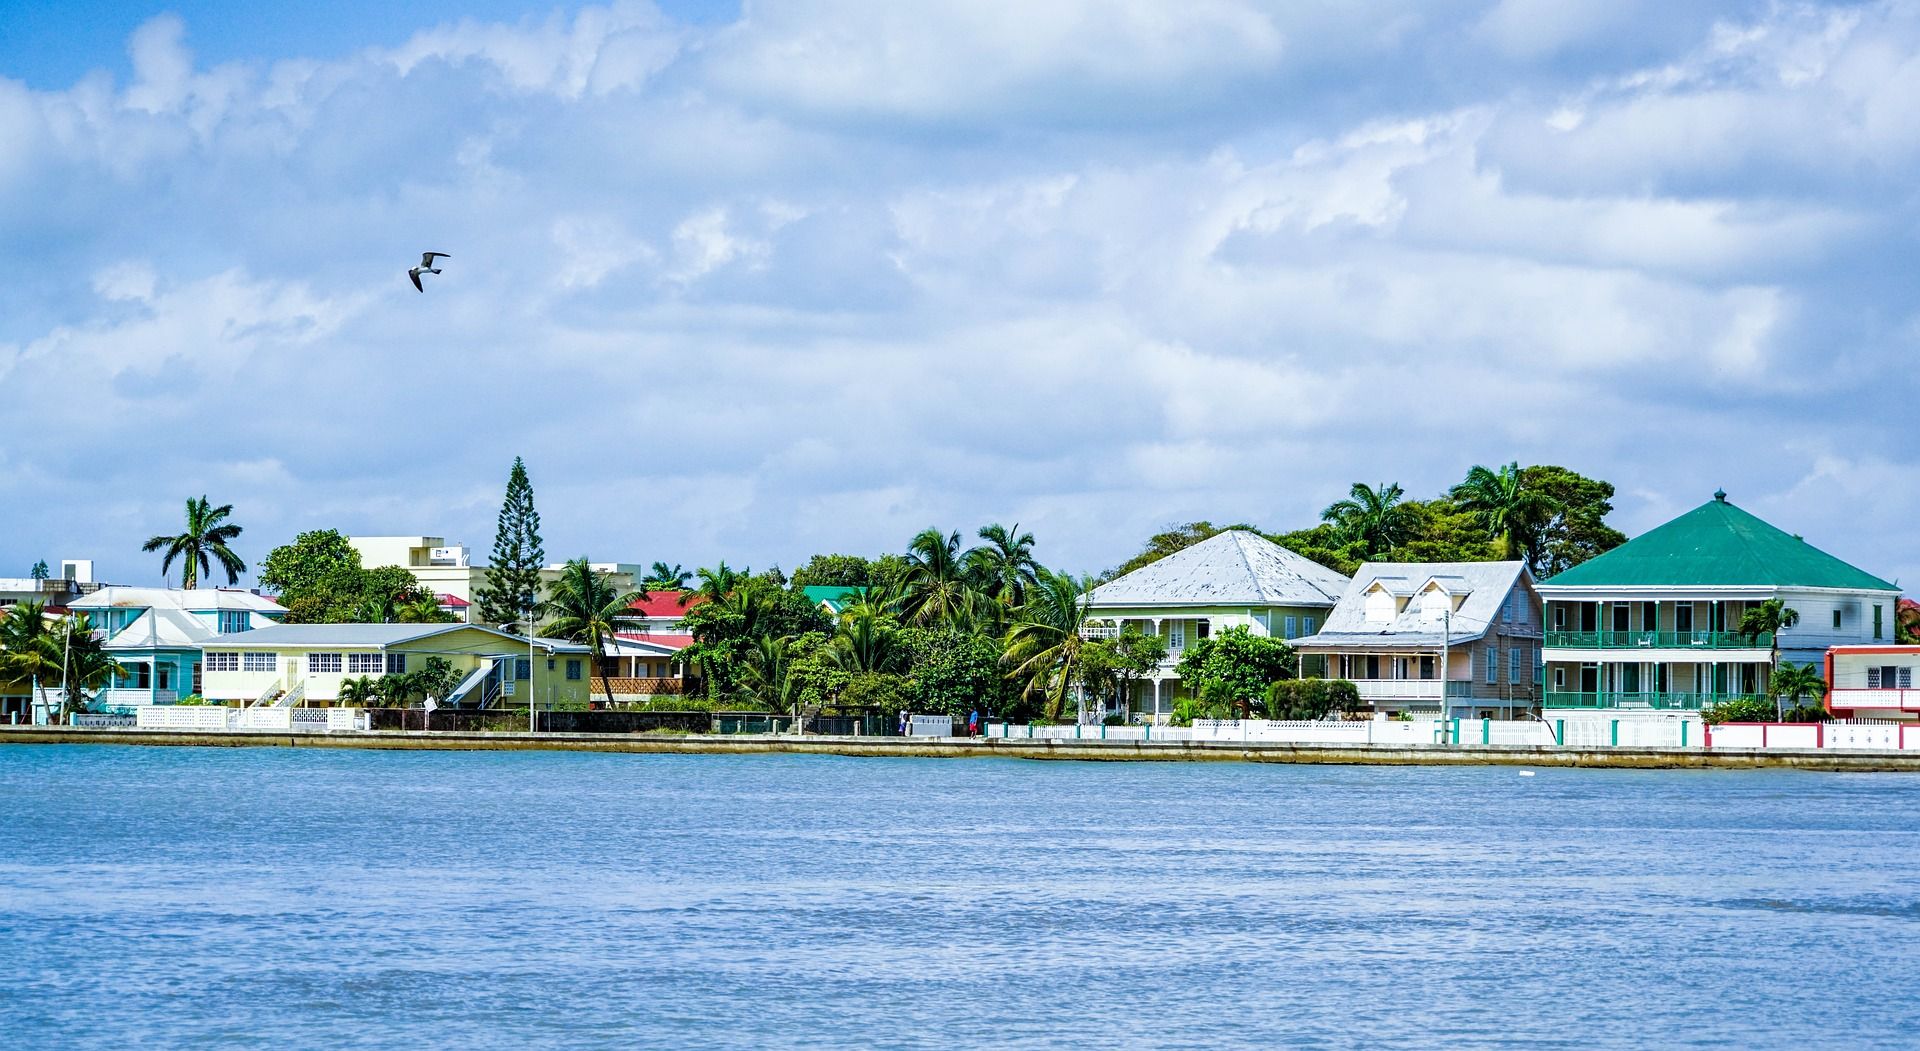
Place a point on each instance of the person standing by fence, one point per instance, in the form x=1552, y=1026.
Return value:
x=973, y=723
x=903, y=723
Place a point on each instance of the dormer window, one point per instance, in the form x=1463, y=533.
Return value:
x=1380, y=607
x=231, y=621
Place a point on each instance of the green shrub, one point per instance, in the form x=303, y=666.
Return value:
x=193, y=699
x=1739, y=710
x=1299, y=699
x=1116, y=719
x=1344, y=697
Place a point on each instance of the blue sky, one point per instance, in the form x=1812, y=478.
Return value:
x=758, y=282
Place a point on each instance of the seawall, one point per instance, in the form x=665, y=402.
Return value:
x=1016, y=748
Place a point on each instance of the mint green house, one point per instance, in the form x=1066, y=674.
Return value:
x=1655, y=623
x=158, y=633
x=1233, y=579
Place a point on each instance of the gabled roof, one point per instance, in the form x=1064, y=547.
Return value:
x=162, y=628
x=665, y=605
x=835, y=596
x=1718, y=545
x=665, y=644
x=369, y=635
x=1233, y=568
x=1486, y=585
x=453, y=601
x=198, y=600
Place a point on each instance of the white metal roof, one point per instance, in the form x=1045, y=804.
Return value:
x=197, y=600
x=1485, y=584
x=1233, y=568
x=162, y=628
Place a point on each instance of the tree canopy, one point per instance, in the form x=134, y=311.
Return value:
x=513, y=572
x=320, y=580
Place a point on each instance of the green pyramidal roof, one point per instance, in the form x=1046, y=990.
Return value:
x=1718, y=545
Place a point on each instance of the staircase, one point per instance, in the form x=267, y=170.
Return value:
x=292, y=697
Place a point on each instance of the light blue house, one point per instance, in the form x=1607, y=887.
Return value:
x=157, y=633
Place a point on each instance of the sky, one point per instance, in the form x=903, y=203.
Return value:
x=752, y=281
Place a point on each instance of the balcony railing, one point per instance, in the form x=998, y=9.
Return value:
x=1669, y=701
x=1659, y=640
x=1875, y=697
x=1410, y=689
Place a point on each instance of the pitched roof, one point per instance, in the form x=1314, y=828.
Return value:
x=122, y=596
x=666, y=604
x=453, y=601
x=834, y=595
x=1486, y=585
x=1718, y=545
x=162, y=628
x=669, y=643
x=369, y=635
x=1232, y=568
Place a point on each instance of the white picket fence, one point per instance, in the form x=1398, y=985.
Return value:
x=214, y=719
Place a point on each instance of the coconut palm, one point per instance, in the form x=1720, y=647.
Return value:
x=663, y=577
x=1791, y=682
x=86, y=665
x=26, y=658
x=1003, y=568
x=421, y=608
x=205, y=541
x=582, y=606
x=1767, y=618
x=1043, y=653
x=867, y=642
x=716, y=583
x=363, y=690
x=1372, y=515
x=768, y=674
x=1505, y=508
x=937, y=588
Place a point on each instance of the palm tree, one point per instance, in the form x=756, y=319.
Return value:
x=1767, y=619
x=717, y=583
x=866, y=642
x=938, y=590
x=582, y=606
x=663, y=577
x=26, y=659
x=1372, y=515
x=363, y=690
x=1791, y=683
x=85, y=663
x=205, y=540
x=768, y=668
x=1510, y=512
x=421, y=608
x=1044, y=644
x=1003, y=568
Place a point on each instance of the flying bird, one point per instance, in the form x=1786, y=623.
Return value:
x=426, y=267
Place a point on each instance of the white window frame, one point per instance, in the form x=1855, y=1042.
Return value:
x=324, y=663
x=1493, y=663
x=255, y=660
x=366, y=663
x=223, y=660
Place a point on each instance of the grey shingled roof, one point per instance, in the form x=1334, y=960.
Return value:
x=1347, y=624
x=1234, y=568
x=368, y=635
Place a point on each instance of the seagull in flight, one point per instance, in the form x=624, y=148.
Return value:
x=426, y=267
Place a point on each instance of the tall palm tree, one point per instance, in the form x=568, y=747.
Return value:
x=581, y=606
x=1003, y=568
x=1043, y=654
x=205, y=540
x=716, y=583
x=86, y=666
x=1511, y=513
x=1372, y=515
x=26, y=659
x=1767, y=618
x=938, y=590
x=663, y=577
x=1791, y=682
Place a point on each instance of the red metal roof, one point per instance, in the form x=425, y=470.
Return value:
x=666, y=604
x=671, y=642
x=455, y=601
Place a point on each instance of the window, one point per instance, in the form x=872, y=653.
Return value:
x=573, y=668
x=1906, y=678
x=550, y=664
x=1493, y=663
x=1513, y=664
x=323, y=664
x=1292, y=624
x=1622, y=617
x=227, y=660
x=1200, y=628
x=1650, y=616
x=396, y=663
x=1426, y=666
x=1876, y=621
x=1306, y=626
x=1176, y=636
x=1559, y=678
x=366, y=663
x=232, y=620
x=1836, y=620
x=1506, y=608
x=1683, y=618
x=258, y=662
x=1874, y=678
x=523, y=668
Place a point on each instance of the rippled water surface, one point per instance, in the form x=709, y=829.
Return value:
x=309, y=898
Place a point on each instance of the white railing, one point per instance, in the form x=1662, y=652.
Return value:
x=1398, y=689
x=1875, y=698
x=1099, y=631
x=291, y=697
x=180, y=717
x=132, y=697
x=267, y=695
x=210, y=718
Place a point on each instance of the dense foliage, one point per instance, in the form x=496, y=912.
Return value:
x=320, y=580
x=513, y=572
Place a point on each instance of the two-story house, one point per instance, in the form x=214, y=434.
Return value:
x=157, y=634
x=1233, y=579
x=1654, y=624
x=1453, y=638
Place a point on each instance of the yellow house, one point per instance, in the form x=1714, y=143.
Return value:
x=306, y=663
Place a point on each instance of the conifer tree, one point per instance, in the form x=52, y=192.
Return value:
x=513, y=579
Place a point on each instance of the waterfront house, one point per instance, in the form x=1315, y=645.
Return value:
x=445, y=569
x=832, y=599
x=1233, y=579
x=660, y=613
x=158, y=633
x=1458, y=637
x=1654, y=624
x=1873, y=682
x=305, y=663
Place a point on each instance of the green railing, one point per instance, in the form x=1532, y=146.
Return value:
x=1639, y=699
x=1660, y=640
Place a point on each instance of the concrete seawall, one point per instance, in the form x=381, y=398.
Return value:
x=959, y=748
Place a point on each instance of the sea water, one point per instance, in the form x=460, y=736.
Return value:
x=257, y=897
